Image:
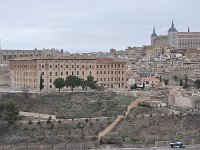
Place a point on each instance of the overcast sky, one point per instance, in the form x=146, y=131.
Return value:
x=91, y=25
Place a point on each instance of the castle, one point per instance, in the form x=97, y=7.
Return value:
x=174, y=39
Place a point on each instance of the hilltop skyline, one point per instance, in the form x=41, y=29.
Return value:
x=89, y=25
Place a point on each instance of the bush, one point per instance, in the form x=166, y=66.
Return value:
x=39, y=122
x=48, y=121
x=30, y=122
x=144, y=104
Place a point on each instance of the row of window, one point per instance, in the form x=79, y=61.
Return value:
x=24, y=66
x=111, y=66
x=25, y=80
x=68, y=66
x=23, y=85
x=110, y=79
x=110, y=72
x=24, y=73
x=56, y=61
x=67, y=73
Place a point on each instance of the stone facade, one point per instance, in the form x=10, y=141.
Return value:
x=25, y=72
x=174, y=39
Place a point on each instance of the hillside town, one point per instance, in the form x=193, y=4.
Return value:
x=130, y=89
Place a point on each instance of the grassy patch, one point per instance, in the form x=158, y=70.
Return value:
x=124, y=100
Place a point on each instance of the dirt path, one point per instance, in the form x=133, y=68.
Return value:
x=119, y=118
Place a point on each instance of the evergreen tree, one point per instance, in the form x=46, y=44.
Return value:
x=135, y=86
x=41, y=83
x=72, y=81
x=9, y=111
x=197, y=83
x=59, y=83
x=160, y=79
x=181, y=82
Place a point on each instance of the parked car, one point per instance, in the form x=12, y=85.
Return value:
x=177, y=145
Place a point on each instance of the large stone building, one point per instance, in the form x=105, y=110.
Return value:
x=25, y=72
x=174, y=39
x=6, y=55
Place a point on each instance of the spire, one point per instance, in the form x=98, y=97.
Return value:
x=188, y=29
x=154, y=32
x=172, y=29
x=172, y=23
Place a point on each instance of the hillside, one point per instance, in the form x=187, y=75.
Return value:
x=150, y=129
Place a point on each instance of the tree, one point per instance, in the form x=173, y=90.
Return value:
x=197, y=83
x=135, y=86
x=132, y=87
x=59, y=83
x=175, y=78
x=166, y=81
x=181, y=82
x=143, y=86
x=186, y=82
x=9, y=111
x=90, y=82
x=72, y=82
x=41, y=83
x=84, y=84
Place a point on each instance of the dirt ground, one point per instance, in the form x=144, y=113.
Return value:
x=156, y=128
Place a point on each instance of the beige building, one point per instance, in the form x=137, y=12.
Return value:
x=25, y=72
x=174, y=39
x=6, y=55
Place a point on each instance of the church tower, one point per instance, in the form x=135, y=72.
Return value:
x=172, y=36
x=153, y=37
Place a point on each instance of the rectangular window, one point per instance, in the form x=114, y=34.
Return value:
x=50, y=80
x=97, y=72
x=83, y=73
x=90, y=73
x=90, y=66
x=72, y=66
x=50, y=66
x=66, y=66
x=82, y=66
x=56, y=73
x=42, y=66
x=56, y=66
x=42, y=73
x=61, y=73
x=66, y=73
x=50, y=73
x=61, y=66
x=77, y=72
x=77, y=66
